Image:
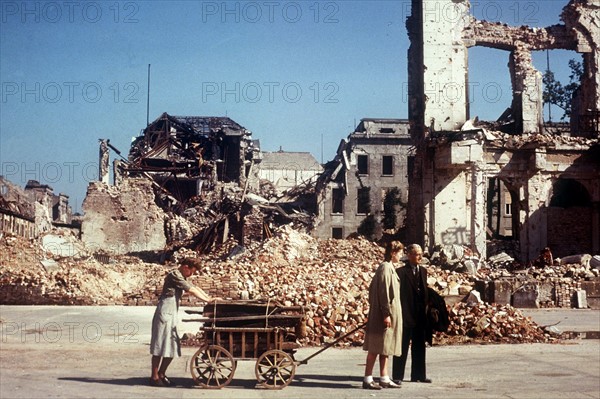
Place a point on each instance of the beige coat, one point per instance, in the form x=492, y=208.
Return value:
x=384, y=300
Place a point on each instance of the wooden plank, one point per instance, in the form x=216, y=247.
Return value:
x=280, y=339
x=256, y=344
x=237, y=329
x=243, y=343
x=242, y=318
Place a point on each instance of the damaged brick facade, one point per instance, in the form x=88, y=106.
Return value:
x=369, y=163
x=552, y=180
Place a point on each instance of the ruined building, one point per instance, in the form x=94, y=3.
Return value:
x=548, y=185
x=370, y=165
x=185, y=154
x=177, y=163
x=33, y=210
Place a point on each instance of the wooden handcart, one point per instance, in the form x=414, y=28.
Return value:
x=249, y=330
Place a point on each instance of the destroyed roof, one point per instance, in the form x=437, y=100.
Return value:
x=32, y=184
x=384, y=120
x=385, y=126
x=14, y=200
x=205, y=124
x=289, y=160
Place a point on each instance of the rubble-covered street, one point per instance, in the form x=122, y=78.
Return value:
x=328, y=278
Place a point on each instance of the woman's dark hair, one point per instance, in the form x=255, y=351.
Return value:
x=392, y=248
x=192, y=263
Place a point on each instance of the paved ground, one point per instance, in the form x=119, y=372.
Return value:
x=102, y=352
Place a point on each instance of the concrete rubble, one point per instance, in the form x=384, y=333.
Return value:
x=330, y=281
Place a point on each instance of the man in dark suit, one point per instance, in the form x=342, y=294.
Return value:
x=414, y=297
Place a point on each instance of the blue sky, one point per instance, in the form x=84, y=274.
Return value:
x=297, y=73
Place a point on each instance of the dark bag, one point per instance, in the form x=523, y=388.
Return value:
x=437, y=313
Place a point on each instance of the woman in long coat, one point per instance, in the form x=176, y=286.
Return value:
x=383, y=336
x=164, y=342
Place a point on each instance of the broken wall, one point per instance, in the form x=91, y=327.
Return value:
x=16, y=211
x=123, y=219
x=438, y=54
x=455, y=158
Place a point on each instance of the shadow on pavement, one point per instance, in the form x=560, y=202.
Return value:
x=305, y=381
x=327, y=381
x=131, y=381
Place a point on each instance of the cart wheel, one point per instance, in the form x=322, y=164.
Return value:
x=275, y=369
x=212, y=367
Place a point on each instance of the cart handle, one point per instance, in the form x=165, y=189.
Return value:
x=329, y=345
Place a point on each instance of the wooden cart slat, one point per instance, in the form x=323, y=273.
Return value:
x=249, y=343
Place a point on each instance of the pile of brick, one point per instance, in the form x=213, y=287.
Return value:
x=29, y=275
x=486, y=323
x=329, y=279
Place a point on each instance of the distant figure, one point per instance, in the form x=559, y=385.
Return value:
x=414, y=297
x=165, y=343
x=384, y=326
x=545, y=258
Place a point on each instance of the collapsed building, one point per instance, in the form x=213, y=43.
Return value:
x=548, y=185
x=176, y=164
x=367, y=179
x=440, y=178
x=187, y=183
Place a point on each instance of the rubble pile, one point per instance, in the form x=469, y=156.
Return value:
x=329, y=279
x=490, y=323
x=447, y=282
x=31, y=275
x=187, y=220
x=505, y=140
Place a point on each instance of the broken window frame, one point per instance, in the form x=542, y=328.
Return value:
x=383, y=165
x=339, y=230
x=362, y=164
x=363, y=200
x=337, y=201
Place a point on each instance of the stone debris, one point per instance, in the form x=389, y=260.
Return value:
x=328, y=279
x=490, y=323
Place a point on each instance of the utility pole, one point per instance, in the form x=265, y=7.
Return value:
x=148, y=99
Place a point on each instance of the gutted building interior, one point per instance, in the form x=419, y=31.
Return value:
x=185, y=154
x=510, y=179
x=176, y=164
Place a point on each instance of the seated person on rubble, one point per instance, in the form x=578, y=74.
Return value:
x=545, y=258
